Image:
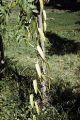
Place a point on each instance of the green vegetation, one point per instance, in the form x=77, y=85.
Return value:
x=64, y=23
x=64, y=67
x=65, y=35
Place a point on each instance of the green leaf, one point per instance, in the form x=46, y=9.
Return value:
x=35, y=11
x=32, y=6
x=30, y=1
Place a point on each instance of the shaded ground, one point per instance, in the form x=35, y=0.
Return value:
x=61, y=46
x=71, y=5
x=64, y=59
x=66, y=99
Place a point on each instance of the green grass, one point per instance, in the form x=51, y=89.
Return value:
x=62, y=23
x=63, y=67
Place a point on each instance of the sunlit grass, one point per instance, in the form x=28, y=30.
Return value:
x=65, y=67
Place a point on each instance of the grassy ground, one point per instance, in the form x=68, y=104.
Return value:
x=63, y=33
x=62, y=49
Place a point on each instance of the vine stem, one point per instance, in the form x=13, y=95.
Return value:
x=41, y=43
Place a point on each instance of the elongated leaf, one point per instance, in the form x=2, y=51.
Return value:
x=40, y=52
x=41, y=4
x=38, y=69
x=31, y=100
x=13, y=4
x=30, y=1
x=32, y=6
x=35, y=11
x=44, y=26
x=44, y=15
x=37, y=108
x=41, y=34
x=24, y=5
x=34, y=117
x=35, y=86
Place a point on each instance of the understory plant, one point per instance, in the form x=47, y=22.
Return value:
x=32, y=19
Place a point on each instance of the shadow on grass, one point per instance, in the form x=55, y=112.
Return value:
x=78, y=29
x=78, y=22
x=61, y=46
x=66, y=99
x=24, y=84
x=71, y=5
x=62, y=96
